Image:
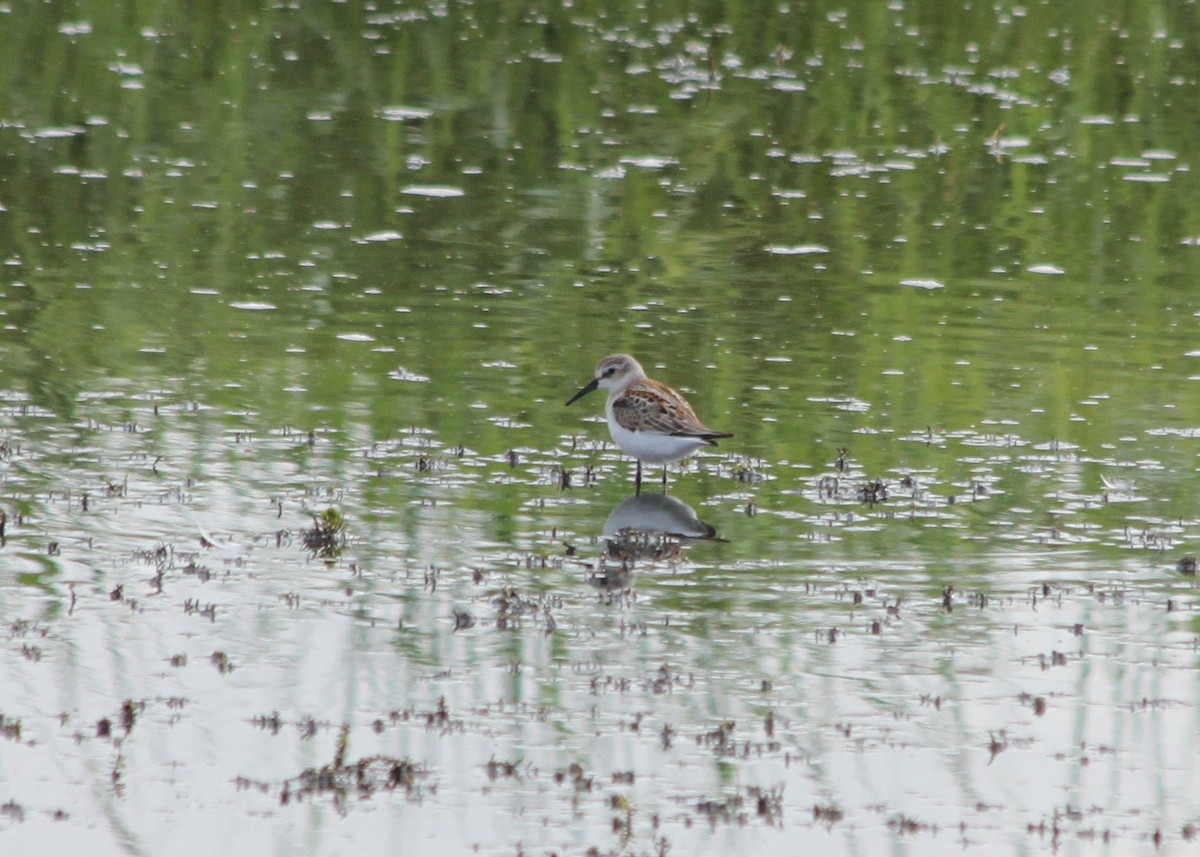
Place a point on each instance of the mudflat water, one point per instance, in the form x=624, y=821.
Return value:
x=303, y=554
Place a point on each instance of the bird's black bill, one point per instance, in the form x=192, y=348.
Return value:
x=591, y=385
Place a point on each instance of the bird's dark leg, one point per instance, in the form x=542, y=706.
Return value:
x=638, y=480
x=664, y=479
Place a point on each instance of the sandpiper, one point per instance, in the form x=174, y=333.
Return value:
x=647, y=419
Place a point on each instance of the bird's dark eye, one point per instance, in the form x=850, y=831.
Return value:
x=610, y=370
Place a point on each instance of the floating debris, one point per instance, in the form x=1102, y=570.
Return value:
x=873, y=492
x=129, y=713
x=463, y=620
x=10, y=728
x=327, y=537
x=828, y=815
x=362, y=778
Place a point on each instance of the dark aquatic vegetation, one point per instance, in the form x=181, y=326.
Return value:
x=362, y=778
x=828, y=814
x=631, y=546
x=10, y=728
x=496, y=769
x=873, y=492
x=129, y=713
x=327, y=536
x=652, y=528
x=271, y=722
x=612, y=577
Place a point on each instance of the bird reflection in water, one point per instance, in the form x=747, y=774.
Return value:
x=646, y=528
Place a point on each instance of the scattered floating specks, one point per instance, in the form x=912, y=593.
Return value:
x=1149, y=178
x=1045, y=269
x=57, y=132
x=499, y=364
x=402, y=374
x=327, y=224
x=649, y=162
x=404, y=114
x=857, y=406
x=795, y=249
x=509, y=423
x=1173, y=432
x=385, y=235
x=923, y=284
x=1005, y=143
x=1116, y=486
x=1129, y=162
x=804, y=158
x=463, y=620
x=253, y=305
x=433, y=190
x=1099, y=119
x=356, y=337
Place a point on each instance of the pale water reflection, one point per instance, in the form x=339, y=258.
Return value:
x=656, y=514
x=836, y=675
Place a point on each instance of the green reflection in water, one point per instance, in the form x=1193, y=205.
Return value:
x=168, y=173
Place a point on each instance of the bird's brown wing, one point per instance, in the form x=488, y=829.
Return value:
x=653, y=407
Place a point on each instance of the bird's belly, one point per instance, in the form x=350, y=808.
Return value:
x=651, y=448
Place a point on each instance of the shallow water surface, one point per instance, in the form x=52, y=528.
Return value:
x=997, y=652
x=303, y=553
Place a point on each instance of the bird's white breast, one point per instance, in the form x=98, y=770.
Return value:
x=649, y=447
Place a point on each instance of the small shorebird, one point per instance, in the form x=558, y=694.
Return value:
x=647, y=419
